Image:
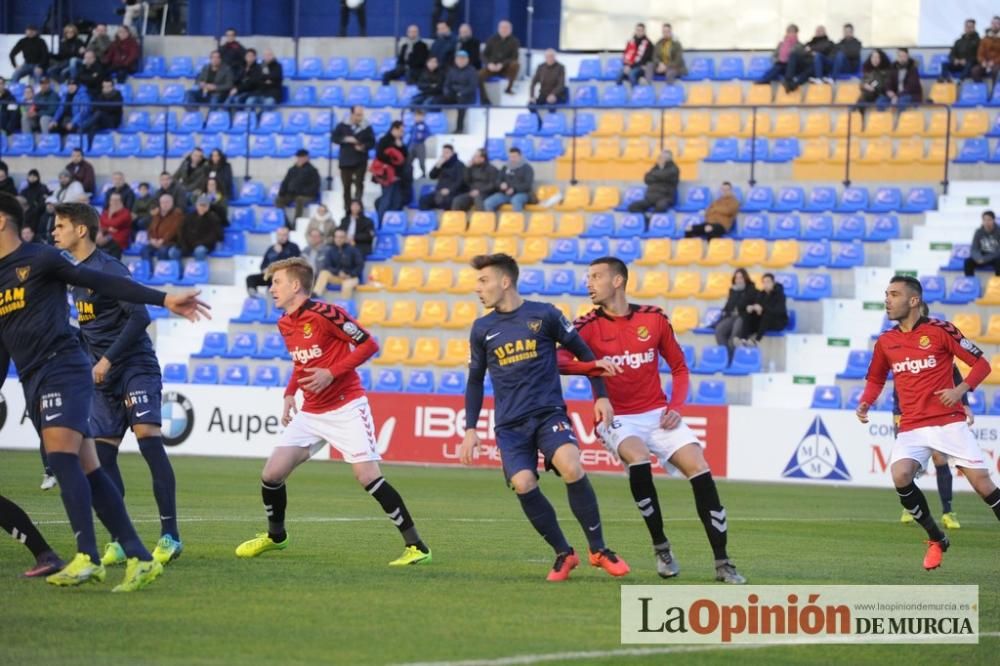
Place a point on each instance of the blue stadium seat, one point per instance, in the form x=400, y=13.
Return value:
x=272, y=346
x=389, y=380
x=337, y=67
x=190, y=123
x=853, y=200
x=826, y=397
x=102, y=145
x=959, y=253
x=548, y=149
x=849, y=255
x=166, y=271
x=388, y=64
x=350, y=307
x=724, y=150
x=563, y=251
x=631, y=226
x=578, y=388
x=289, y=68
x=303, y=95
x=934, y=288
x=243, y=345
x=700, y=69
x=746, y=361
x=195, y=272
x=586, y=122
x=695, y=199
x=451, y=382
x=594, y=248
x=554, y=124
x=212, y=345
x=422, y=222
x=589, y=70
x=933, y=68
x=709, y=318
x=309, y=68
x=180, y=145
x=236, y=375
x=531, y=281
x=212, y=141
x=175, y=373
x=786, y=227
x=253, y=311
x=783, y=150
x=759, y=199
x=663, y=225
x=886, y=200
x=973, y=151
x=632, y=194
x=242, y=123
x=884, y=227
x=919, y=200
x=180, y=67
x=129, y=145
x=146, y=93
x=270, y=220
x=437, y=122
x=496, y=150
x=268, y=123
x=585, y=96
x=971, y=94
x=850, y=228
x=251, y=193
x=963, y=290
x=386, y=246
x=139, y=270
x=714, y=358
x=205, y=373
x=854, y=398
x=297, y=122
x=364, y=69
x=47, y=144
x=323, y=123
x=560, y=281
x=627, y=249
x=241, y=219
x=858, y=361
x=364, y=374
x=977, y=401
x=287, y=145
x=756, y=225
x=815, y=287
x=821, y=200
x=752, y=149
x=152, y=67
x=642, y=96
x=710, y=392
x=384, y=96
x=134, y=122
x=613, y=96
x=600, y=225
x=612, y=69
x=672, y=95
x=266, y=375
x=394, y=222
x=818, y=227
x=358, y=95
x=235, y=146
x=172, y=93
x=815, y=254
x=420, y=381
x=730, y=68
x=263, y=146
x=759, y=65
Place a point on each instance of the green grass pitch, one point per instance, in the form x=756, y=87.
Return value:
x=330, y=598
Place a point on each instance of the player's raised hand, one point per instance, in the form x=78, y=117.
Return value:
x=670, y=419
x=603, y=412
x=862, y=412
x=188, y=305
x=315, y=379
x=950, y=397
x=289, y=410
x=469, y=449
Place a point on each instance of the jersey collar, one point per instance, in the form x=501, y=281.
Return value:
x=302, y=308
x=632, y=309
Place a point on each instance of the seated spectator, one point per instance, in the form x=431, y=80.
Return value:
x=169, y=186
x=82, y=170
x=985, y=248
x=782, y=57
x=122, y=189
x=122, y=58
x=300, y=186
x=501, y=57
x=358, y=9
x=390, y=169
x=7, y=185
x=247, y=80
x=661, y=185
x=218, y=201
x=105, y=243
x=471, y=45
x=315, y=251
x=550, y=80
x=27, y=111
x=142, y=208
x=460, y=87
x=34, y=194
x=201, y=230
x=417, y=148
x=10, y=116
x=769, y=312
x=322, y=221
x=116, y=220
x=668, y=56
x=46, y=105
x=819, y=49
x=282, y=249
x=74, y=109
x=963, y=53
x=342, y=265
x=213, y=83
x=164, y=228
x=359, y=228
x=719, y=216
x=355, y=137
x=192, y=173
x=220, y=170
x=90, y=73
x=443, y=46
x=636, y=57
x=846, y=59
x=450, y=174
x=99, y=41
x=272, y=77
x=108, y=111
x=430, y=84
x=731, y=329
x=988, y=54
x=904, y=87
x=411, y=56
x=515, y=184
x=35, y=53
x=876, y=77
x=481, y=179
x=63, y=63
x=231, y=50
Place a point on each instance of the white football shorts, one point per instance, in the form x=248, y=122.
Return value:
x=349, y=429
x=954, y=440
x=646, y=426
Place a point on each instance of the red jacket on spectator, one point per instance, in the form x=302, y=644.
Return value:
x=122, y=54
x=637, y=52
x=118, y=226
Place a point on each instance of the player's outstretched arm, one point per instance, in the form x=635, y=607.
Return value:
x=569, y=365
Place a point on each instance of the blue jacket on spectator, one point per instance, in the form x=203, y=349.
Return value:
x=79, y=106
x=419, y=134
x=344, y=258
x=443, y=49
x=288, y=250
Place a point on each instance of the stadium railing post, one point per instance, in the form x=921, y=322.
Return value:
x=947, y=151
x=753, y=146
x=166, y=133
x=572, y=147
x=847, y=158
x=246, y=136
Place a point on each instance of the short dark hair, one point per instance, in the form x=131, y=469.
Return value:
x=641, y=25
x=726, y=182
x=990, y=214
x=396, y=124
x=77, y=149
x=165, y=173
x=667, y=25
x=449, y=147
x=849, y=25
x=502, y=262
x=767, y=275
x=616, y=265
x=252, y=50
x=515, y=149
x=11, y=208
x=911, y=282
x=925, y=310
x=81, y=215
x=903, y=49
x=144, y=184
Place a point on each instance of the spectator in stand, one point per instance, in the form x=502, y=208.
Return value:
x=471, y=45
x=443, y=46
x=417, y=148
x=116, y=220
x=501, y=57
x=357, y=7
x=130, y=12
x=430, y=84
x=178, y=195
x=231, y=50
x=410, y=58
x=108, y=111
x=74, y=109
x=449, y=7
x=809, y=61
x=82, y=170
x=28, y=235
x=122, y=57
x=731, y=327
x=107, y=244
x=200, y=232
x=282, y=249
x=460, y=86
x=985, y=248
x=661, y=185
x=192, y=173
x=963, y=53
x=122, y=189
x=68, y=191
x=388, y=169
x=550, y=81
x=34, y=194
x=876, y=78
x=217, y=200
x=323, y=222
x=299, y=187
x=719, y=216
x=10, y=116
x=450, y=174
x=359, y=228
x=90, y=73
x=63, y=64
x=272, y=76
x=99, y=41
x=7, y=185
x=846, y=58
x=355, y=138
x=904, y=87
x=782, y=58
x=636, y=57
x=481, y=180
x=668, y=55
x=342, y=265
x=988, y=54
x=35, y=53
x=164, y=227
x=315, y=252
x=220, y=170
x=46, y=105
x=142, y=209
x=247, y=79
x=515, y=184
x=213, y=83
x=28, y=112
x=768, y=312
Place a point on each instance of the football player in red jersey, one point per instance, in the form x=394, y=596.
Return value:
x=634, y=337
x=326, y=346
x=920, y=353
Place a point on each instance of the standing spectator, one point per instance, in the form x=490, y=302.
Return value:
x=431, y=83
x=192, y=173
x=769, y=312
x=107, y=244
x=46, y=105
x=247, y=79
x=963, y=53
x=220, y=170
x=343, y=265
x=729, y=329
x=481, y=180
x=217, y=200
x=122, y=189
x=876, y=77
x=272, y=76
x=300, y=186
x=357, y=7
x=661, y=185
x=99, y=41
x=282, y=249
x=142, y=209
x=668, y=55
x=450, y=174
x=515, y=184
x=200, y=232
x=130, y=12
x=985, y=249
x=443, y=46
x=35, y=53
x=419, y=133
x=988, y=54
x=122, y=57
x=7, y=185
x=636, y=57
x=322, y=220
x=315, y=251
x=108, y=111
x=501, y=58
x=460, y=86
x=719, y=216
x=471, y=45
x=387, y=169
x=213, y=83
x=90, y=73
x=10, y=116
x=359, y=228
x=231, y=50
x=34, y=193
x=82, y=170
x=410, y=58
x=178, y=194
x=63, y=64
x=74, y=109
x=116, y=220
x=550, y=80
x=782, y=57
x=449, y=7
x=904, y=87
x=846, y=59
x=811, y=60
x=355, y=138
x=163, y=231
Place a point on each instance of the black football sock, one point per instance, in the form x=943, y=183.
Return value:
x=711, y=512
x=542, y=517
x=914, y=501
x=392, y=503
x=275, y=500
x=110, y=508
x=75, y=493
x=17, y=523
x=943, y=477
x=583, y=502
x=640, y=480
x=164, y=484
x=108, y=455
x=993, y=500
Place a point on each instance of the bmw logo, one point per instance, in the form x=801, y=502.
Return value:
x=178, y=418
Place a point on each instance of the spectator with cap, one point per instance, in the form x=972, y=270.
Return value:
x=411, y=56
x=515, y=184
x=636, y=57
x=661, y=185
x=471, y=45
x=355, y=138
x=481, y=181
x=164, y=228
x=200, y=232
x=82, y=170
x=460, y=86
x=548, y=86
x=300, y=186
x=668, y=55
x=213, y=83
x=116, y=220
x=360, y=229
x=231, y=50
x=450, y=174
x=34, y=52
x=502, y=58
x=342, y=265
x=108, y=111
x=283, y=248
x=122, y=57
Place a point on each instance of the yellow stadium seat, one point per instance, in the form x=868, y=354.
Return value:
x=937, y=124
x=716, y=287
x=720, y=251
x=402, y=313
x=672, y=123
x=576, y=197
x=632, y=286
x=784, y=253
x=584, y=149
x=839, y=154
x=817, y=125
x=410, y=278
x=510, y=224
x=655, y=284
x=758, y=95
x=606, y=149
x=877, y=151
x=533, y=250
x=848, y=92
x=992, y=334
x=415, y=248
x=583, y=309
x=943, y=93
x=433, y=314
x=991, y=294
x=994, y=376
x=856, y=122
x=564, y=309
x=727, y=124
x=815, y=150
x=571, y=225
x=379, y=277
x=426, y=351
x=910, y=123
x=686, y=284
x=909, y=151
x=654, y=252
x=453, y=223
x=936, y=153
x=757, y=279
x=972, y=124
x=729, y=94
x=456, y=353
x=684, y=318
x=787, y=124
x=969, y=323
x=505, y=245
x=786, y=98
x=541, y=224
x=445, y=248
x=636, y=150
x=879, y=123
x=640, y=124
x=439, y=279
x=394, y=350
x=688, y=252
x=700, y=94
x=752, y=252
x=543, y=193
x=699, y=123
x=610, y=123
x=372, y=313
x=473, y=246
x=462, y=315
x=465, y=281
x=482, y=222
x=606, y=198
x=819, y=93
x=695, y=149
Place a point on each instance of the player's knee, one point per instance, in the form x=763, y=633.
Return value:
x=572, y=472
x=523, y=483
x=902, y=476
x=366, y=473
x=143, y=430
x=633, y=452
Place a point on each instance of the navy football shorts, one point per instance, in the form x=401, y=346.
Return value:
x=125, y=399
x=58, y=393
x=520, y=443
